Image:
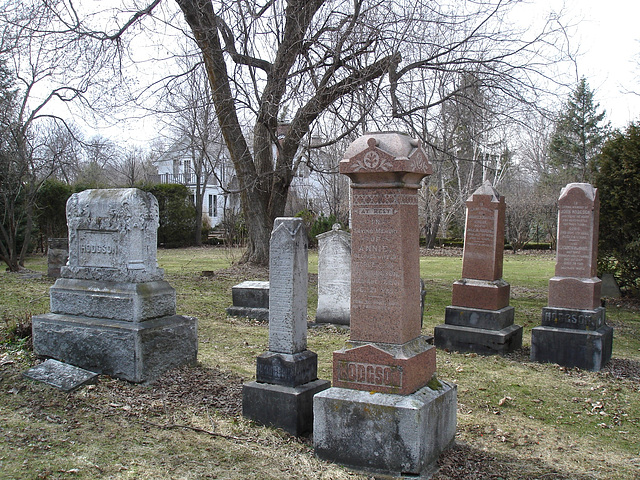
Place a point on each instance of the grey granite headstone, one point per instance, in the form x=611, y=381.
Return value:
x=609, y=286
x=334, y=277
x=111, y=310
x=286, y=375
x=288, y=283
x=61, y=375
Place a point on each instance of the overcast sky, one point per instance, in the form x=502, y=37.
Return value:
x=605, y=32
x=609, y=38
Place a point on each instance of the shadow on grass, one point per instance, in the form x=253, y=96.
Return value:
x=462, y=461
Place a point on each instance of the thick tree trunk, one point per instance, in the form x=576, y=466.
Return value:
x=264, y=180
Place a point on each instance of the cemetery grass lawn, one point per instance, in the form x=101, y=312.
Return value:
x=516, y=419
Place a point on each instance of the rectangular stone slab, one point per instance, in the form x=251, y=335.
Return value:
x=390, y=368
x=131, y=302
x=137, y=352
x=478, y=340
x=572, y=318
x=479, y=318
x=286, y=369
x=572, y=348
x=254, y=294
x=574, y=293
x=386, y=434
x=485, y=295
x=288, y=408
x=61, y=375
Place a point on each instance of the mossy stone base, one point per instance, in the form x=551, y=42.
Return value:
x=385, y=434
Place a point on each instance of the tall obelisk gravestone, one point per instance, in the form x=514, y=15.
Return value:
x=386, y=412
x=286, y=375
x=480, y=319
x=574, y=332
x=111, y=310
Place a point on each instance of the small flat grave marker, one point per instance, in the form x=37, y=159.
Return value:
x=61, y=375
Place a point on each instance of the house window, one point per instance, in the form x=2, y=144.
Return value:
x=215, y=205
x=211, y=205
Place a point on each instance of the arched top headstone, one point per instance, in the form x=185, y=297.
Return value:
x=578, y=218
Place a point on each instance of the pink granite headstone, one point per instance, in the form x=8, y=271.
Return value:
x=482, y=285
x=575, y=284
x=386, y=353
x=574, y=331
x=479, y=318
x=383, y=413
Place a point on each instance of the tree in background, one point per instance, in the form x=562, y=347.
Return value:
x=355, y=65
x=195, y=134
x=578, y=136
x=618, y=181
x=177, y=214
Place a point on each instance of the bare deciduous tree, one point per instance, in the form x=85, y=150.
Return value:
x=194, y=131
x=324, y=61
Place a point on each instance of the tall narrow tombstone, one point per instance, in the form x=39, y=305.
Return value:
x=334, y=276
x=286, y=375
x=574, y=332
x=111, y=310
x=386, y=412
x=480, y=319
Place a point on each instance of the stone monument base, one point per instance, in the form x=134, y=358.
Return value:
x=379, y=433
x=132, y=302
x=385, y=367
x=287, y=369
x=251, y=300
x=133, y=351
x=288, y=408
x=572, y=338
x=484, y=294
x=485, y=332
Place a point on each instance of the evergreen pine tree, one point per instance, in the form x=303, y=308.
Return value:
x=578, y=136
x=618, y=181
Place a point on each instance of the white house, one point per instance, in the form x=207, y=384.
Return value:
x=176, y=165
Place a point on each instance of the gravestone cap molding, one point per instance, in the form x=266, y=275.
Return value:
x=486, y=189
x=588, y=190
x=395, y=154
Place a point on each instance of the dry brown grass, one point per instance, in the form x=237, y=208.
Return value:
x=516, y=419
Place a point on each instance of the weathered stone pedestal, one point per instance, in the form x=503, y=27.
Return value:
x=573, y=338
x=573, y=332
x=386, y=413
x=286, y=375
x=485, y=332
x=480, y=319
x=398, y=435
x=251, y=300
x=111, y=312
x=137, y=352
